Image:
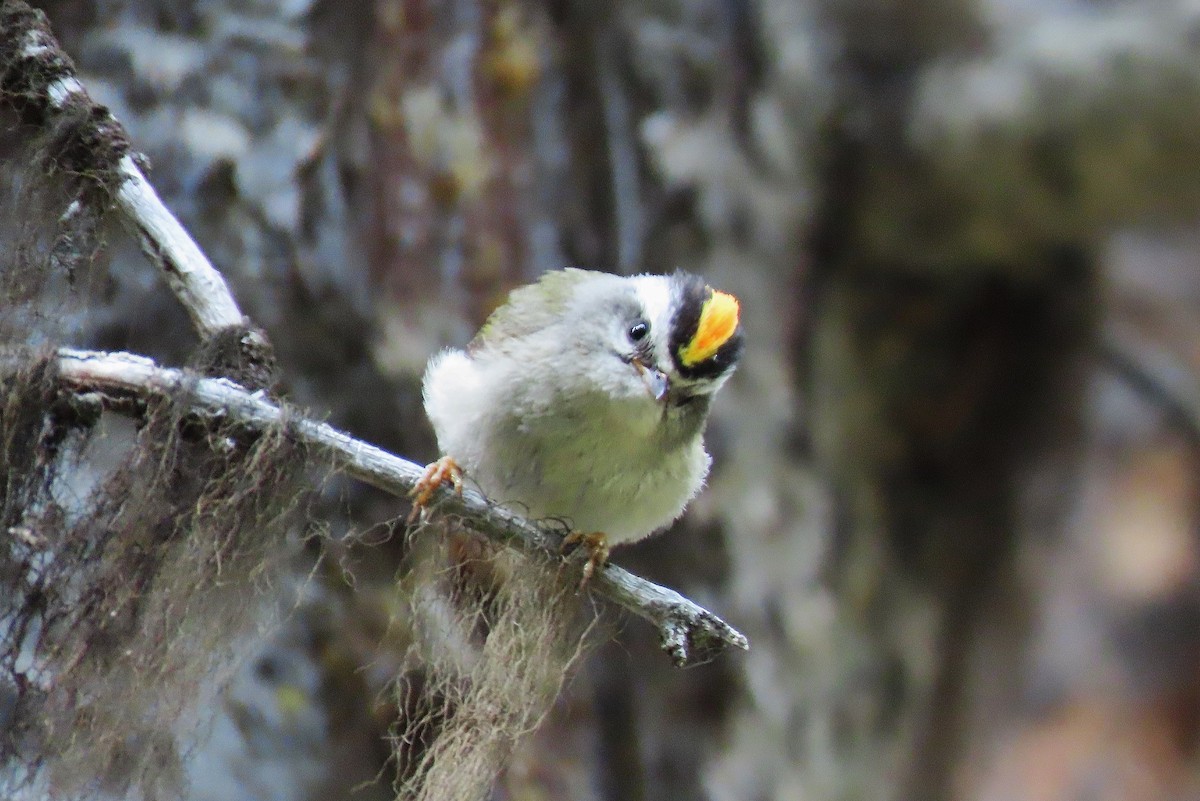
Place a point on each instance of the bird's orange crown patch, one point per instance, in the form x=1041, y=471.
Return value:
x=718, y=321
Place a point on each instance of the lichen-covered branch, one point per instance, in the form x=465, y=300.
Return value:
x=691, y=635
x=37, y=79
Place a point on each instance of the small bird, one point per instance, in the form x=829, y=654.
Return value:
x=584, y=397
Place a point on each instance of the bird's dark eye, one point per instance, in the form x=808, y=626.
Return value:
x=639, y=330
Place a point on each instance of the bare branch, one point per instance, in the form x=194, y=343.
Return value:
x=690, y=634
x=38, y=80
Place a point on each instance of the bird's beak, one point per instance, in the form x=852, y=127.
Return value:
x=656, y=380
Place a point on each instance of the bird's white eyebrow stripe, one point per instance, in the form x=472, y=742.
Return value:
x=654, y=292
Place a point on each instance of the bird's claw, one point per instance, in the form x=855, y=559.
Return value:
x=437, y=474
x=596, y=545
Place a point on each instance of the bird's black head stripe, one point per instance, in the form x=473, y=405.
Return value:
x=690, y=293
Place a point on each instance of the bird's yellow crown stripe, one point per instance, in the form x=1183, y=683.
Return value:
x=718, y=321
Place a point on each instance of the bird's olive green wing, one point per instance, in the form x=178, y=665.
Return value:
x=530, y=308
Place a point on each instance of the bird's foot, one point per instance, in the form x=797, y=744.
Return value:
x=596, y=545
x=437, y=474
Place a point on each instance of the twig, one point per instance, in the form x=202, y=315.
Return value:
x=200, y=288
x=690, y=634
x=38, y=79
x=1157, y=374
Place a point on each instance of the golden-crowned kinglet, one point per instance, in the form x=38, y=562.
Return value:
x=584, y=397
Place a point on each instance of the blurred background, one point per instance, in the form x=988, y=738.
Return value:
x=954, y=503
